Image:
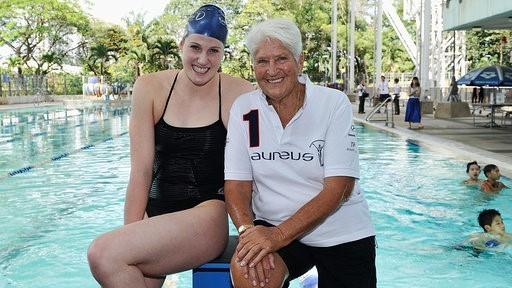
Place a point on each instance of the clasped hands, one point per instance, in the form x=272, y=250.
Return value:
x=254, y=253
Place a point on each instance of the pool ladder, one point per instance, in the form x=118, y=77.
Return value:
x=390, y=121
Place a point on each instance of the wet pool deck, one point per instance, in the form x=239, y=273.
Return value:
x=457, y=137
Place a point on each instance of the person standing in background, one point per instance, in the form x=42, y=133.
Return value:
x=413, y=109
x=481, y=94
x=362, y=94
x=453, y=93
x=383, y=90
x=474, y=95
x=396, y=96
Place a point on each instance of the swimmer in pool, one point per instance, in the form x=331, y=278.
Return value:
x=492, y=172
x=473, y=171
x=494, y=235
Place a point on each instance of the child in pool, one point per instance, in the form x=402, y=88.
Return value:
x=473, y=171
x=492, y=172
x=494, y=234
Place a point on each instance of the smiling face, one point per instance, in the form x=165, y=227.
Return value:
x=497, y=226
x=276, y=69
x=201, y=57
x=474, y=171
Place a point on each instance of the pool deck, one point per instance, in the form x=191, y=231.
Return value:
x=457, y=137
x=28, y=105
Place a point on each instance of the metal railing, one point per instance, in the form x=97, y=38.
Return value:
x=390, y=121
x=36, y=85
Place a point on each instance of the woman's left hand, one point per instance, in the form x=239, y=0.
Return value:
x=257, y=242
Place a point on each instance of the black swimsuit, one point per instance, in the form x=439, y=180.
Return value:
x=189, y=165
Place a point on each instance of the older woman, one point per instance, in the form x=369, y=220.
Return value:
x=292, y=172
x=177, y=138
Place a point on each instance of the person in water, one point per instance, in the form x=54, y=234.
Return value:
x=175, y=217
x=473, y=171
x=492, y=184
x=494, y=234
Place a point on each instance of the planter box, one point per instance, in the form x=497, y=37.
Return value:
x=427, y=107
x=446, y=110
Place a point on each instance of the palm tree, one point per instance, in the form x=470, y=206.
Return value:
x=104, y=55
x=166, y=53
x=138, y=56
x=15, y=62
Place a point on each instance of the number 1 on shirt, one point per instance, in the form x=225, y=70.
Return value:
x=254, y=128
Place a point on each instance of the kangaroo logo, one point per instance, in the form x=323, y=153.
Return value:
x=319, y=146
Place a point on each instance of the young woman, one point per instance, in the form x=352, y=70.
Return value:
x=175, y=217
x=413, y=109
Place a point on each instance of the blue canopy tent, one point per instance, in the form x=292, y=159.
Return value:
x=495, y=76
x=489, y=76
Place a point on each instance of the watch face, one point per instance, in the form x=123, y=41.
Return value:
x=242, y=228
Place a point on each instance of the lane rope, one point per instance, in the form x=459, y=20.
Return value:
x=60, y=156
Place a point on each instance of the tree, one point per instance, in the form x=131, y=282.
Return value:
x=102, y=54
x=40, y=32
x=105, y=43
x=165, y=54
x=314, y=21
x=236, y=54
x=483, y=48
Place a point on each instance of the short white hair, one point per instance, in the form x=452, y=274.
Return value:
x=283, y=30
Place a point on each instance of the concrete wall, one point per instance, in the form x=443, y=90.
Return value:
x=447, y=110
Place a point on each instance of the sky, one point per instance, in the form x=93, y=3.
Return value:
x=113, y=11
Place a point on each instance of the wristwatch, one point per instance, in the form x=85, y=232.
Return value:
x=242, y=228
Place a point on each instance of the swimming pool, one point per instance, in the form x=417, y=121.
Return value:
x=52, y=211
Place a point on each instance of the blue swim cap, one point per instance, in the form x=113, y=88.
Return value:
x=208, y=20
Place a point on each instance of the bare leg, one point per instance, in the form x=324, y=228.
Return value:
x=159, y=246
x=277, y=276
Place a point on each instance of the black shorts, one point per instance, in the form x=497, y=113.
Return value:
x=349, y=264
x=383, y=97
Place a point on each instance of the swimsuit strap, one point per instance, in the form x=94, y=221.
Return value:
x=169, y=96
x=220, y=100
x=172, y=88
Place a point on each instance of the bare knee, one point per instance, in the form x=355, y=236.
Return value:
x=277, y=277
x=100, y=262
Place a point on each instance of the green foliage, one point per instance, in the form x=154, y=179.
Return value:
x=104, y=45
x=314, y=21
x=122, y=53
x=394, y=56
x=39, y=31
x=123, y=71
x=484, y=48
x=237, y=56
x=64, y=84
x=164, y=54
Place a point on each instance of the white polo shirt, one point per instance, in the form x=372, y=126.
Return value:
x=288, y=165
x=383, y=87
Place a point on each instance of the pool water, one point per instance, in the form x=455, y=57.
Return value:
x=74, y=191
